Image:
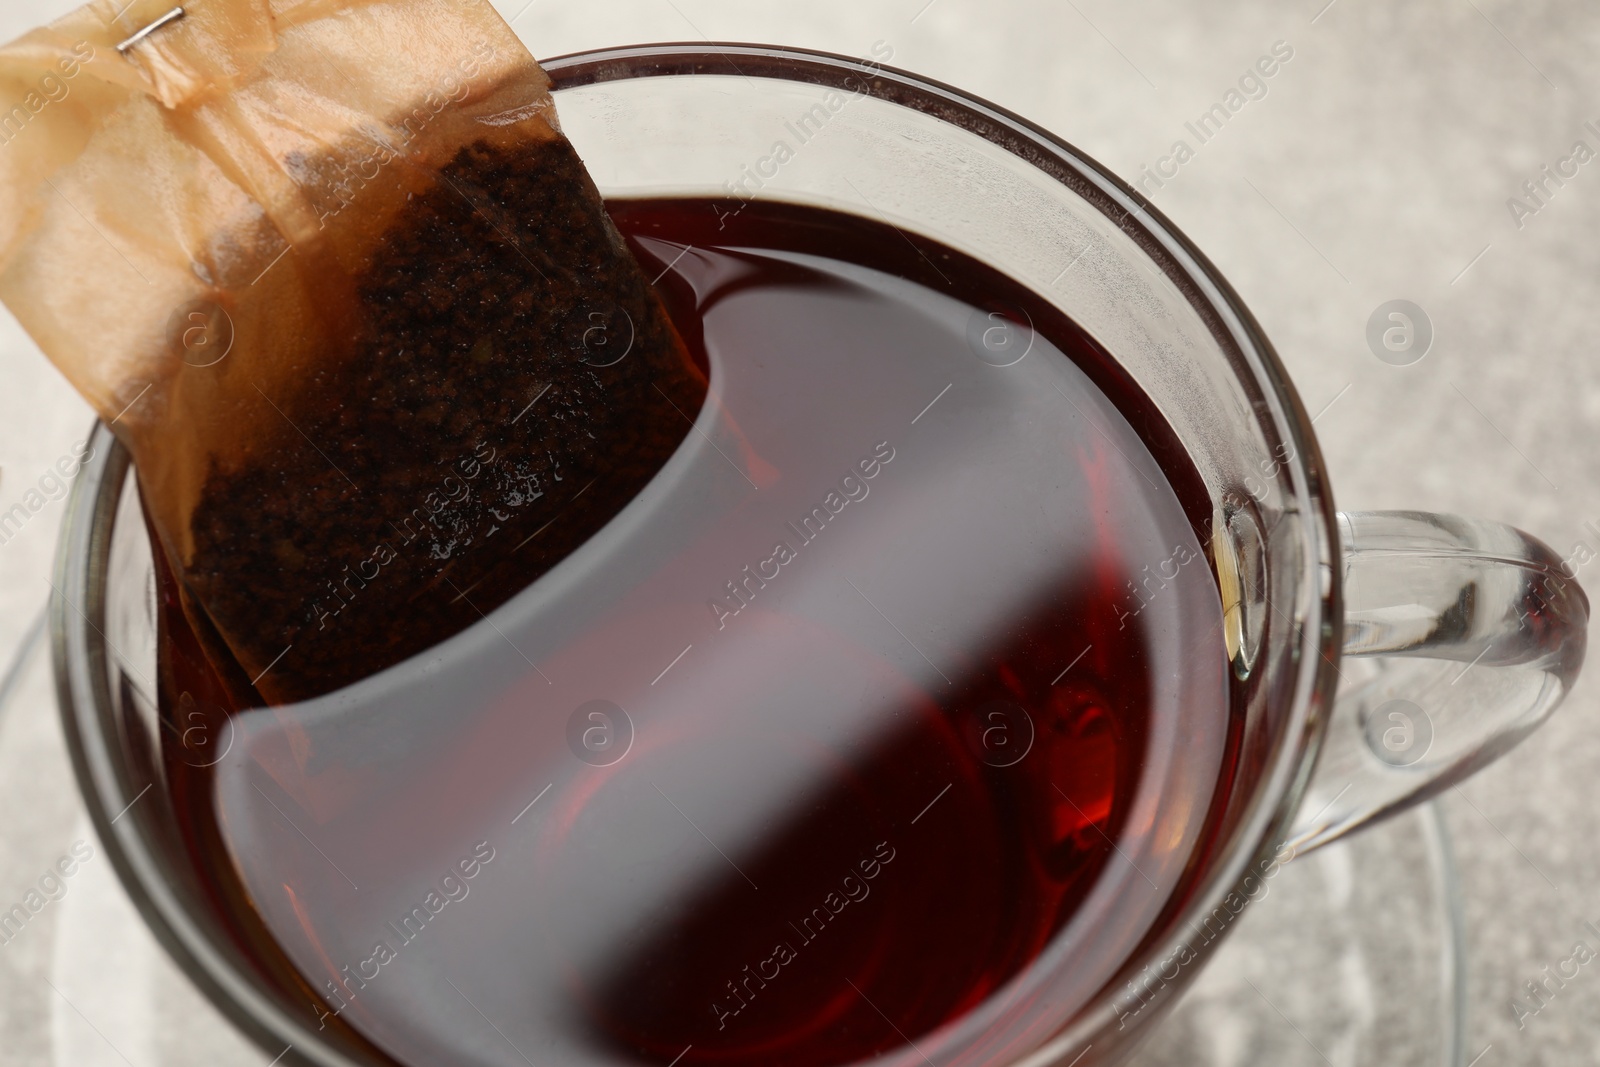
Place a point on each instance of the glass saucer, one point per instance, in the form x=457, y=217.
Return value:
x=1354, y=956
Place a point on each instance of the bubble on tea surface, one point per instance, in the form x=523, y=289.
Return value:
x=1398, y=732
x=1399, y=333
x=1000, y=334
x=200, y=332
x=1000, y=733
x=599, y=732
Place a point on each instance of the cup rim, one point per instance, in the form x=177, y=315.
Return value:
x=81, y=566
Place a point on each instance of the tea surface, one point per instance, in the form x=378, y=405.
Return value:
x=881, y=723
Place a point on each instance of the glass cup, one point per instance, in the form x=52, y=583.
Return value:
x=1376, y=657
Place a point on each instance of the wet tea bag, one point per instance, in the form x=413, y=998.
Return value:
x=332, y=273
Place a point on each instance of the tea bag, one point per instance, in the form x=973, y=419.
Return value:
x=332, y=273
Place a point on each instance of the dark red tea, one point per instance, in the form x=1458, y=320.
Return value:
x=882, y=723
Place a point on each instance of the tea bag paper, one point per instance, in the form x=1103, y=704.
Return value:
x=331, y=272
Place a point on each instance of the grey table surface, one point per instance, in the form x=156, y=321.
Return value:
x=1378, y=165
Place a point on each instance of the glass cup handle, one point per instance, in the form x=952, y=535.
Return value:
x=1460, y=637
